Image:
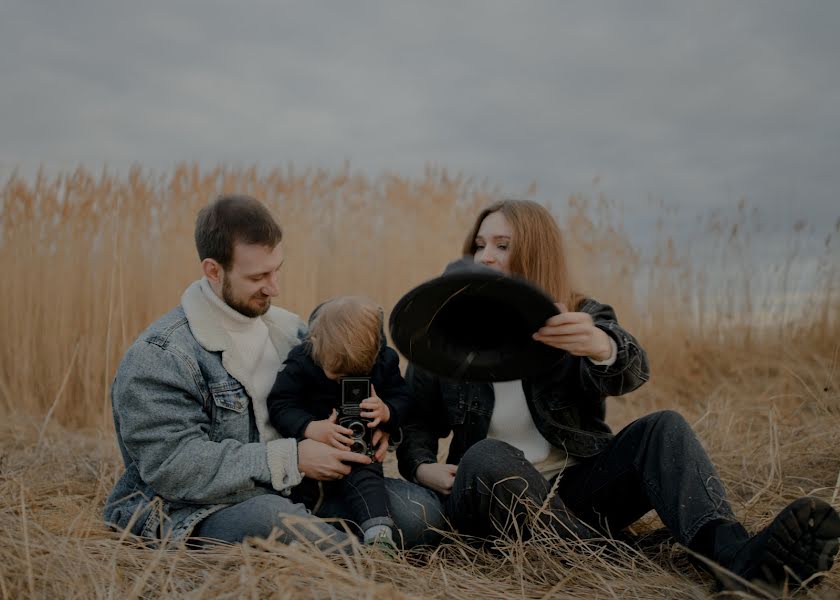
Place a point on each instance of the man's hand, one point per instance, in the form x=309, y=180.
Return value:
x=575, y=333
x=380, y=442
x=436, y=476
x=327, y=431
x=375, y=409
x=319, y=461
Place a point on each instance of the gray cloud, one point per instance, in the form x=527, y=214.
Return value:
x=696, y=104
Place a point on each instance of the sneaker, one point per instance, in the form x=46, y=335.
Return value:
x=802, y=540
x=385, y=544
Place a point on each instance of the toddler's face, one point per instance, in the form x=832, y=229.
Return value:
x=333, y=376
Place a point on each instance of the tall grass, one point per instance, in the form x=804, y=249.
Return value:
x=90, y=260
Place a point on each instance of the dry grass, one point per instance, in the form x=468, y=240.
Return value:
x=90, y=261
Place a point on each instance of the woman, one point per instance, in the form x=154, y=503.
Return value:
x=513, y=439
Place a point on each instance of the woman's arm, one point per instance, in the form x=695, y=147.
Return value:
x=612, y=362
x=630, y=368
x=426, y=425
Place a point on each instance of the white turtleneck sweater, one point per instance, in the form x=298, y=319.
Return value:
x=256, y=352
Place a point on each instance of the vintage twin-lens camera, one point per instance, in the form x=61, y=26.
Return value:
x=353, y=391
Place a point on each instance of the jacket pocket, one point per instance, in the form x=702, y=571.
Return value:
x=230, y=411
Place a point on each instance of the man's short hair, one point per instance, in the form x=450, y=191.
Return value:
x=230, y=219
x=345, y=335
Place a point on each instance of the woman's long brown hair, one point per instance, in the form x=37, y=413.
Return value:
x=536, y=248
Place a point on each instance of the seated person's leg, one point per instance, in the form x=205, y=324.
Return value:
x=417, y=513
x=496, y=490
x=415, y=510
x=658, y=462
x=364, y=491
x=655, y=462
x=261, y=515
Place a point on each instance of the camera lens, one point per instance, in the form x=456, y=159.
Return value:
x=358, y=428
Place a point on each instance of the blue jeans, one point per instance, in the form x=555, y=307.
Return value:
x=414, y=510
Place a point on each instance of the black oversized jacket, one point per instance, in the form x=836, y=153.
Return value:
x=567, y=404
x=303, y=393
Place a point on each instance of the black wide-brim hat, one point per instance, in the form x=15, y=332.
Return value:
x=475, y=324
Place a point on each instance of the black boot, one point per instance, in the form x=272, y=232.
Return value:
x=801, y=540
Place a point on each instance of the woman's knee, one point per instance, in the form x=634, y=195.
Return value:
x=493, y=466
x=668, y=428
x=669, y=420
x=490, y=454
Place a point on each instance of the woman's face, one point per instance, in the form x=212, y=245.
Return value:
x=492, y=243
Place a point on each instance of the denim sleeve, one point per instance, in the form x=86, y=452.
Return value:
x=159, y=398
x=287, y=409
x=427, y=425
x=630, y=369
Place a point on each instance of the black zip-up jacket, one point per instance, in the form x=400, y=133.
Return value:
x=303, y=393
x=568, y=404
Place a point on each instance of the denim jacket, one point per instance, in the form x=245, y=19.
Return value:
x=568, y=404
x=186, y=426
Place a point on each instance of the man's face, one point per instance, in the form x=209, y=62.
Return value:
x=251, y=281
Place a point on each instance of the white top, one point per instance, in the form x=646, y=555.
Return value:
x=512, y=422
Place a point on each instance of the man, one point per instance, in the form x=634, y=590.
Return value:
x=189, y=403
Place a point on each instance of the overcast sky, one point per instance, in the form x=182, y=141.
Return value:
x=692, y=103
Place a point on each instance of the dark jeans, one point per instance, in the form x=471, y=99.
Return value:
x=656, y=462
x=415, y=510
x=363, y=491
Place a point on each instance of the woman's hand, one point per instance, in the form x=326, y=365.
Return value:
x=436, y=476
x=375, y=409
x=327, y=431
x=380, y=442
x=575, y=333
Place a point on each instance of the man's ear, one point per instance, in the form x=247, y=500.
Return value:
x=212, y=270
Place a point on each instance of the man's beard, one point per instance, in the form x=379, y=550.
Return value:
x=241, y=308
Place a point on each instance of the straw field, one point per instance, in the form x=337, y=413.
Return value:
x=90, y=260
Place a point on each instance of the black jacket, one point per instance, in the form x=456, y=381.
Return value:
x=303, y=393
x=567, y=405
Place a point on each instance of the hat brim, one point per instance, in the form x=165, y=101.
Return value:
x=475, y=325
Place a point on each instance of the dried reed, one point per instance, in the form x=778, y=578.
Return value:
x=91, y=260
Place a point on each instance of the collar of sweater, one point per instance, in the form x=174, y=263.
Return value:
x=230, y=319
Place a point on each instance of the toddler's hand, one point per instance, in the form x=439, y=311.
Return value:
x=375, y=409
x=327, y=431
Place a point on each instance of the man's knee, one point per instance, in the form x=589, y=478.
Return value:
x=272, y=506
x=255, y=517
x=269, y=510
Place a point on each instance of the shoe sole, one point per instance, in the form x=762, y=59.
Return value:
x=802, y=540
